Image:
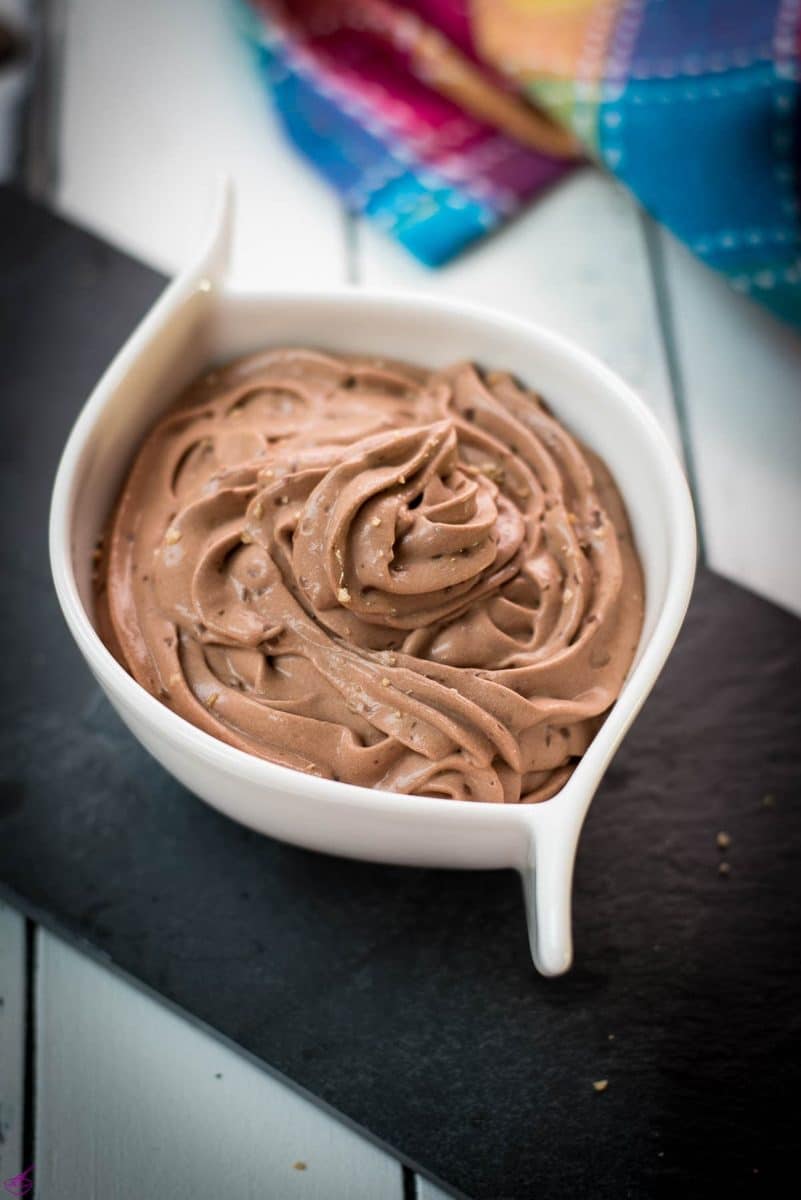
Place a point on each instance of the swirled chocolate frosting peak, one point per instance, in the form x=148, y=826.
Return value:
x=392, y=577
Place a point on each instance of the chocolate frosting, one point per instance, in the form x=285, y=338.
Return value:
x=392, y=577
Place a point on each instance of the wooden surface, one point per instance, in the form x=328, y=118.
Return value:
x=154, y=100
x=739, y=385
x=132, y=1100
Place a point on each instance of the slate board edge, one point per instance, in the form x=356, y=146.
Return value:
x=42, y=918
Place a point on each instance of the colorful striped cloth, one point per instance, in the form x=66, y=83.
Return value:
x=414, y=111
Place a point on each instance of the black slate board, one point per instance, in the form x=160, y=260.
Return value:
x=406, y=999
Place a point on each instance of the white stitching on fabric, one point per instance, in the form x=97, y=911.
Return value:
x=482, y=191
x=692, y=64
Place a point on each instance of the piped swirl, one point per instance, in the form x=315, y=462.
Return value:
x=396, y=578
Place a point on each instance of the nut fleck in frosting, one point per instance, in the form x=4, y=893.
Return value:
x=393, y=577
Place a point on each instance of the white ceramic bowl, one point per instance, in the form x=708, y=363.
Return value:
x=197, y=322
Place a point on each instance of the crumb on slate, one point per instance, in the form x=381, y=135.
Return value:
x=723, y=840
x=601, y=1085
x=724, y=869
x=769, y=801
x=299, y=1166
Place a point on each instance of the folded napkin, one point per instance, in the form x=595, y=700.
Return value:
x=417, y=112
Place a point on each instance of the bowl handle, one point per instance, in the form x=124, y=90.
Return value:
x=547, y=890
x=213, y=259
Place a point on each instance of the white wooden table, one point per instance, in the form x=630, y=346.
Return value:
x=109, y=1092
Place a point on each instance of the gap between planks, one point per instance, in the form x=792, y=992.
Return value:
x=13, y=993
